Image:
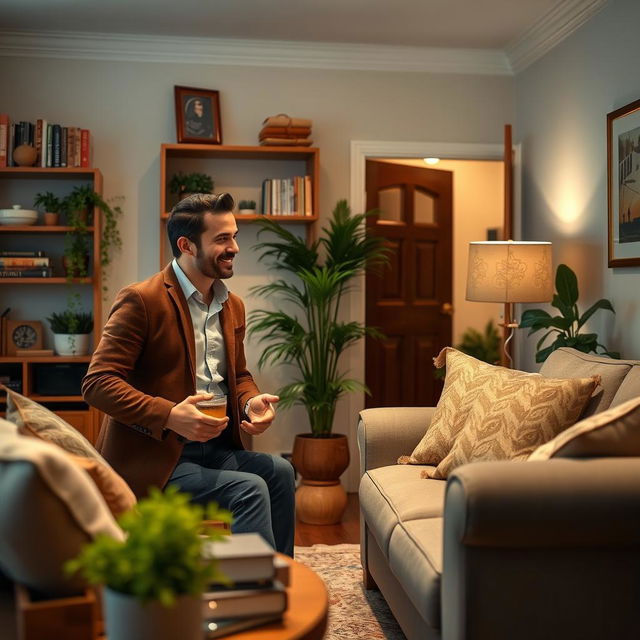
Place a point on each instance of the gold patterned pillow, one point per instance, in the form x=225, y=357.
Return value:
x=613, y=432
x=35, y=420
x=508, y=414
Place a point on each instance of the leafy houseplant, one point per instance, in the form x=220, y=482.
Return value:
x=158, y=572
x=313, y=339
x=51, y=204
x=565, y=328
x=247, y=205
x=71, y=329
x=184, y=183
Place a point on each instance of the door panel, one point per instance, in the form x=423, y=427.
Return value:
x=405, y=302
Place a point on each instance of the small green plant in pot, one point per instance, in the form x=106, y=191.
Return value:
x=565, y=329
x=247, y=206
x=51, y=205
x=71, y=329
x=155, y=577
x=185, y=184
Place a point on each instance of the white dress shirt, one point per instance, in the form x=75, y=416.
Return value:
x=211, y=360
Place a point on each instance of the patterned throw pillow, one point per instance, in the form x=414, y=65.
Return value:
x=614, y=432
x=492, y=413
x=34, y=420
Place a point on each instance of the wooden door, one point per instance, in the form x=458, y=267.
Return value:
x=410, y=300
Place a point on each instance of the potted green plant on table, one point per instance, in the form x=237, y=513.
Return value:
x=186, y=184
x=71, y=329
x=566, y=327
x=247, y=207
x=312, y=338
x=155, y=578
x=51, y=205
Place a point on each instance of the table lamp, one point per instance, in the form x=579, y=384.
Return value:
x=509, y=272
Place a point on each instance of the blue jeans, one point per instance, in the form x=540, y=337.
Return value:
x=258, y=488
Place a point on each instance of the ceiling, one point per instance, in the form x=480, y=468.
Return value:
x=459, y=24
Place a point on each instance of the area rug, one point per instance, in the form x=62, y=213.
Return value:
x=354, y=613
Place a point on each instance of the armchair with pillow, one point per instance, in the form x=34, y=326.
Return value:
x=504, y=519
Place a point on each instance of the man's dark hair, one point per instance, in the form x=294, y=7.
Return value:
x=187, y=217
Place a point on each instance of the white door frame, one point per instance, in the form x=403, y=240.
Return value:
x=360, y=151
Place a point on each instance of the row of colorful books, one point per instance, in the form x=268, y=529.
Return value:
x=287, y=196
x=16, y=264
x=56, y=145
x=257, y=595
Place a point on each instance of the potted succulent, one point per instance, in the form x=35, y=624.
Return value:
x=71, y=329
x=186, y=184
x=52, y=206
x=154, y=579
x=565, y=328
x=247, y=207
x=312, y=339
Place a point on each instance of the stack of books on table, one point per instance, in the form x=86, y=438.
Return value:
x=283, y=131
x=24, y=264
x=257, y=595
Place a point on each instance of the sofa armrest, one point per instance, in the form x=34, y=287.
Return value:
x=386, y=433
x=542, y=542
x=555, y=503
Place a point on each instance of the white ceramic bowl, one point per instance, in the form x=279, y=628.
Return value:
x=18, y=216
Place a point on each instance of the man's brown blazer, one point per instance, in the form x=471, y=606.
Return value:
x=144, y=365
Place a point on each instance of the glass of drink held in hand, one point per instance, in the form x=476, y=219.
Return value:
x=215, y=407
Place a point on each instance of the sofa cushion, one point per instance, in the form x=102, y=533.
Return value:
x=630, y=387
x=570, y=363
x=49, y=509
x=513, y=412
x=394, y=494
x=415, y=558
x=611, y=433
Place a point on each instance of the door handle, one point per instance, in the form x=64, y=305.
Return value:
x=446, y=309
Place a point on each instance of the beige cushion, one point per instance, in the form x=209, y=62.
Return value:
x=630, y=387
x=49, y=509
x=512, y=412
x=614, y=432
x=570, y=363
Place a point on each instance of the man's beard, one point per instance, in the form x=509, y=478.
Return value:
x=212, y=269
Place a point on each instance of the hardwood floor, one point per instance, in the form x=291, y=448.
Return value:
x=348, y=531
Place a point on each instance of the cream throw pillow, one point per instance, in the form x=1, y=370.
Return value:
x=613, y=432
x=492, y=413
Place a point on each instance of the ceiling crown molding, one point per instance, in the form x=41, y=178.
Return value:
x=254, y=53
x=549, y=31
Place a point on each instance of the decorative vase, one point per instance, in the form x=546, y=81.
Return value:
x=127, y=618
x=51, y=219
x=320, y=499
x=71, y=344
x=25, y=155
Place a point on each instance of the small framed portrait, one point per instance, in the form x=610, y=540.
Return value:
x=198, y=115
x=623, y=178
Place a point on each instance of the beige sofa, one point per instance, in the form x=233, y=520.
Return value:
x=504, y=550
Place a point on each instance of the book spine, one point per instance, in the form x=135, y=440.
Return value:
x=308, y=196
x=44, y=272
x=4, y=138
x=22, y=254
x=77, y=162
x=10, y=142
x=56, y=151
x=64, y=137
x=39, y=142
x=49, y=158
x=24, y=262
x=84, y=148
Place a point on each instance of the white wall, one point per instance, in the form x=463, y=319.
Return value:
x=561, y=106
x=129, y=108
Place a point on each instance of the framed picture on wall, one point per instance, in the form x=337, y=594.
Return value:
x=623, y=185
x=198, y=115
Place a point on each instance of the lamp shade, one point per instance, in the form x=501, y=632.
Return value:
x=510, y=272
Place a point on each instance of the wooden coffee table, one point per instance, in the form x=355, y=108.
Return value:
x=306, y=615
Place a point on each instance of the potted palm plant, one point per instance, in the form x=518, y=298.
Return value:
x=154, y=579
x=312, y=338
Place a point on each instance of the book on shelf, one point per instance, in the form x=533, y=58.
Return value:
x=287, y=196
x=219, y=628
x=242, y=557
x=4, y=139
x=23, y=262
x=42, y=272
x=244, y=603
x=22, y=254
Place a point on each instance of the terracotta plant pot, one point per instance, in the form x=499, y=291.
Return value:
x=51, y=219
x=320, y=499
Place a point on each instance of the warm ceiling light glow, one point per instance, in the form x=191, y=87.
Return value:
x=431, y=160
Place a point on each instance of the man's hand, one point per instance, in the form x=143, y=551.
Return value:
x=192, y=424
x=261, y=413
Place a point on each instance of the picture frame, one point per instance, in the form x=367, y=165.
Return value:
x=623, y=185
x=197, y=115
